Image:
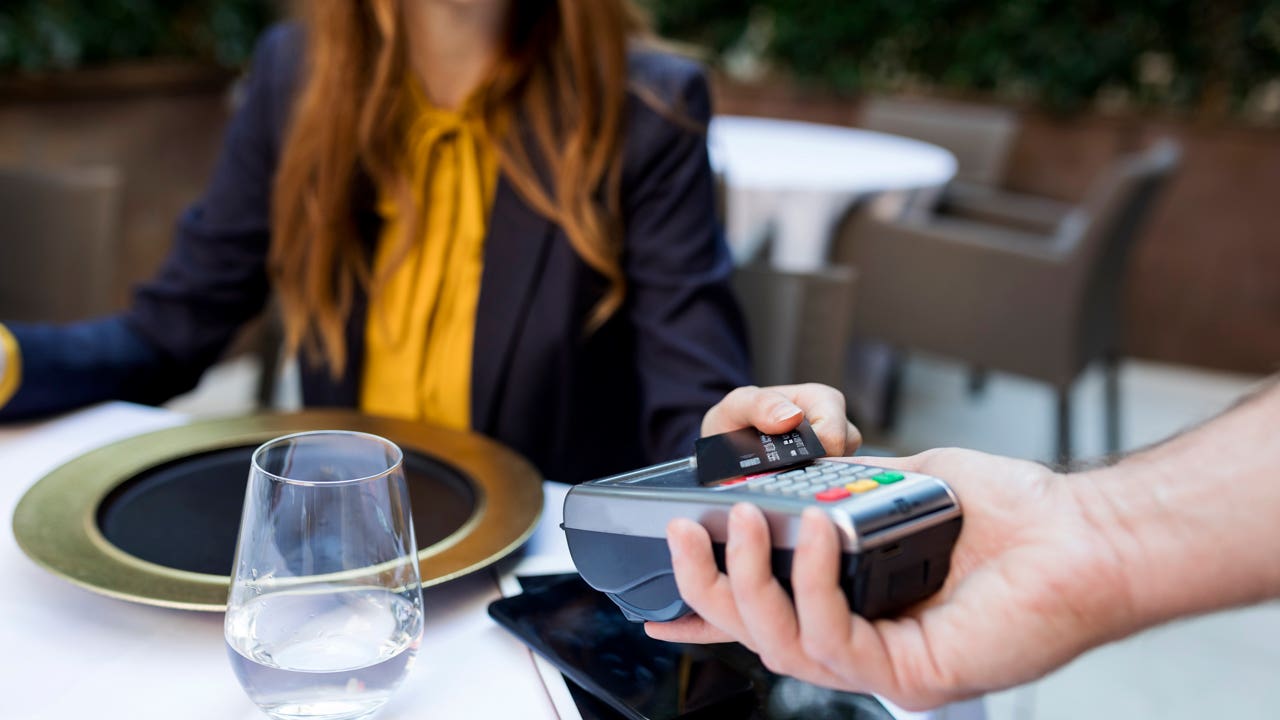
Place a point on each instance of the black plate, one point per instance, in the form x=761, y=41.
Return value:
x=154, y=518
x=185, y=514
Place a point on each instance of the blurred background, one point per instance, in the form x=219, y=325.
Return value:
x=1044, y=229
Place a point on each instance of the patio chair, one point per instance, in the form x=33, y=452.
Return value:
x=1039, y=305
x=798, y=322
x=62, y=233
x=980, y=136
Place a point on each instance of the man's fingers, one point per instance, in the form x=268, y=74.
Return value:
x=829, y=634
x=748, y=561
x=764, y=607
x=821, y=606
x=688, y=629
x=699, y=581
x=764, y=408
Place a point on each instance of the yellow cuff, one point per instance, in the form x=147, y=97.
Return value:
x=11, y=376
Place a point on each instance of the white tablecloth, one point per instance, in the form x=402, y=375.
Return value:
x=72, y=654
x=796, y=180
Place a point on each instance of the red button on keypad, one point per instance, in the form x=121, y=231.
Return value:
x=836, y=493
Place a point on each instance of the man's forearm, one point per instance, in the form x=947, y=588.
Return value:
x=1195, y=521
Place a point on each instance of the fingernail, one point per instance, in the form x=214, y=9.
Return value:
x=743, y=516
x=673, y=529
x=785, y=411
x=738, y=512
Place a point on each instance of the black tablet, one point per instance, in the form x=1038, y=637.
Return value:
x=582, y=633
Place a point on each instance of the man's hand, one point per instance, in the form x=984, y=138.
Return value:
x=781, y=408
x=1032, y=584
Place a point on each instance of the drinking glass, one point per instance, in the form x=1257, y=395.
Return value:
x=324, y=615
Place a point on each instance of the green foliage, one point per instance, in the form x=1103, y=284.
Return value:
x=1064, y=55
x=1180, y=54
x=40, y=35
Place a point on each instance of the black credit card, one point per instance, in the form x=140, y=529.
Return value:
x=749, y=452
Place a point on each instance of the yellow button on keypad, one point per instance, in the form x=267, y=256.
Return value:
x=861, y=486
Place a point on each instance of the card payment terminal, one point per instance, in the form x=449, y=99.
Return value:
x=897, y=528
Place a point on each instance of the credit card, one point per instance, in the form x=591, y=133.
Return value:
x=749, y=452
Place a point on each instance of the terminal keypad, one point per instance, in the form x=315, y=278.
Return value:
x=823, y=481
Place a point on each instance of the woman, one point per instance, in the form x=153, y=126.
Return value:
x=493, y=215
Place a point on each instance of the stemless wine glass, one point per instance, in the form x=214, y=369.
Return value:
x=325, y=611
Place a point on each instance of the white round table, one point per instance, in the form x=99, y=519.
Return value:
x=795, y=180
x=78, y=655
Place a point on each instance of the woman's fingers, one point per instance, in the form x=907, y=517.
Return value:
x=778, y=409
x=826, y=411
x=764, y=408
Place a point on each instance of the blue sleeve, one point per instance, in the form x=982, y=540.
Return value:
x=691, y=342
x=65, y=366
x=212, y=282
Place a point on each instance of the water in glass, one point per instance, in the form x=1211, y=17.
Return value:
x=325, y=612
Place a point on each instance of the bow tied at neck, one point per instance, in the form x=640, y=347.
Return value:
x=434, y=136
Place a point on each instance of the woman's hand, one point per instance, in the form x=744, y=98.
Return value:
x=781, y=408
x=1032, y=584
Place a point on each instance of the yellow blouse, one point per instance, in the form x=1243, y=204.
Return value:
x=421, y=324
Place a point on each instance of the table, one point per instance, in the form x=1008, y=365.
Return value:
x=76, y=654
x=798, y=179
x=790, y=183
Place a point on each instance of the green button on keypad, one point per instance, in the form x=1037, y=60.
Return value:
x=887, y=478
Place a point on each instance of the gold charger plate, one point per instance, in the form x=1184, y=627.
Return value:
x=59, y=522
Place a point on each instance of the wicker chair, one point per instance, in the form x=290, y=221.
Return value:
x=798, y=322
x=979, y=136
x=63, y=233
x=1039, y=305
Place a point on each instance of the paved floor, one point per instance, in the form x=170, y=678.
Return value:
x=1220, y=666
x=1013, y=416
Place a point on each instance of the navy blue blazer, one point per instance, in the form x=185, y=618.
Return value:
x=577, y=405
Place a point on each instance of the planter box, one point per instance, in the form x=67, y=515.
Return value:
x=159, y=123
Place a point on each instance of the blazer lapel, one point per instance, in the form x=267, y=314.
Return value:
x=515, y=253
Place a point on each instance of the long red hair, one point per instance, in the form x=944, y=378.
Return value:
x=562, y=77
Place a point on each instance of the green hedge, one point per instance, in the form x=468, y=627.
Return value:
x=1212, y=55
x=38, y=35
x=1060, y=53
